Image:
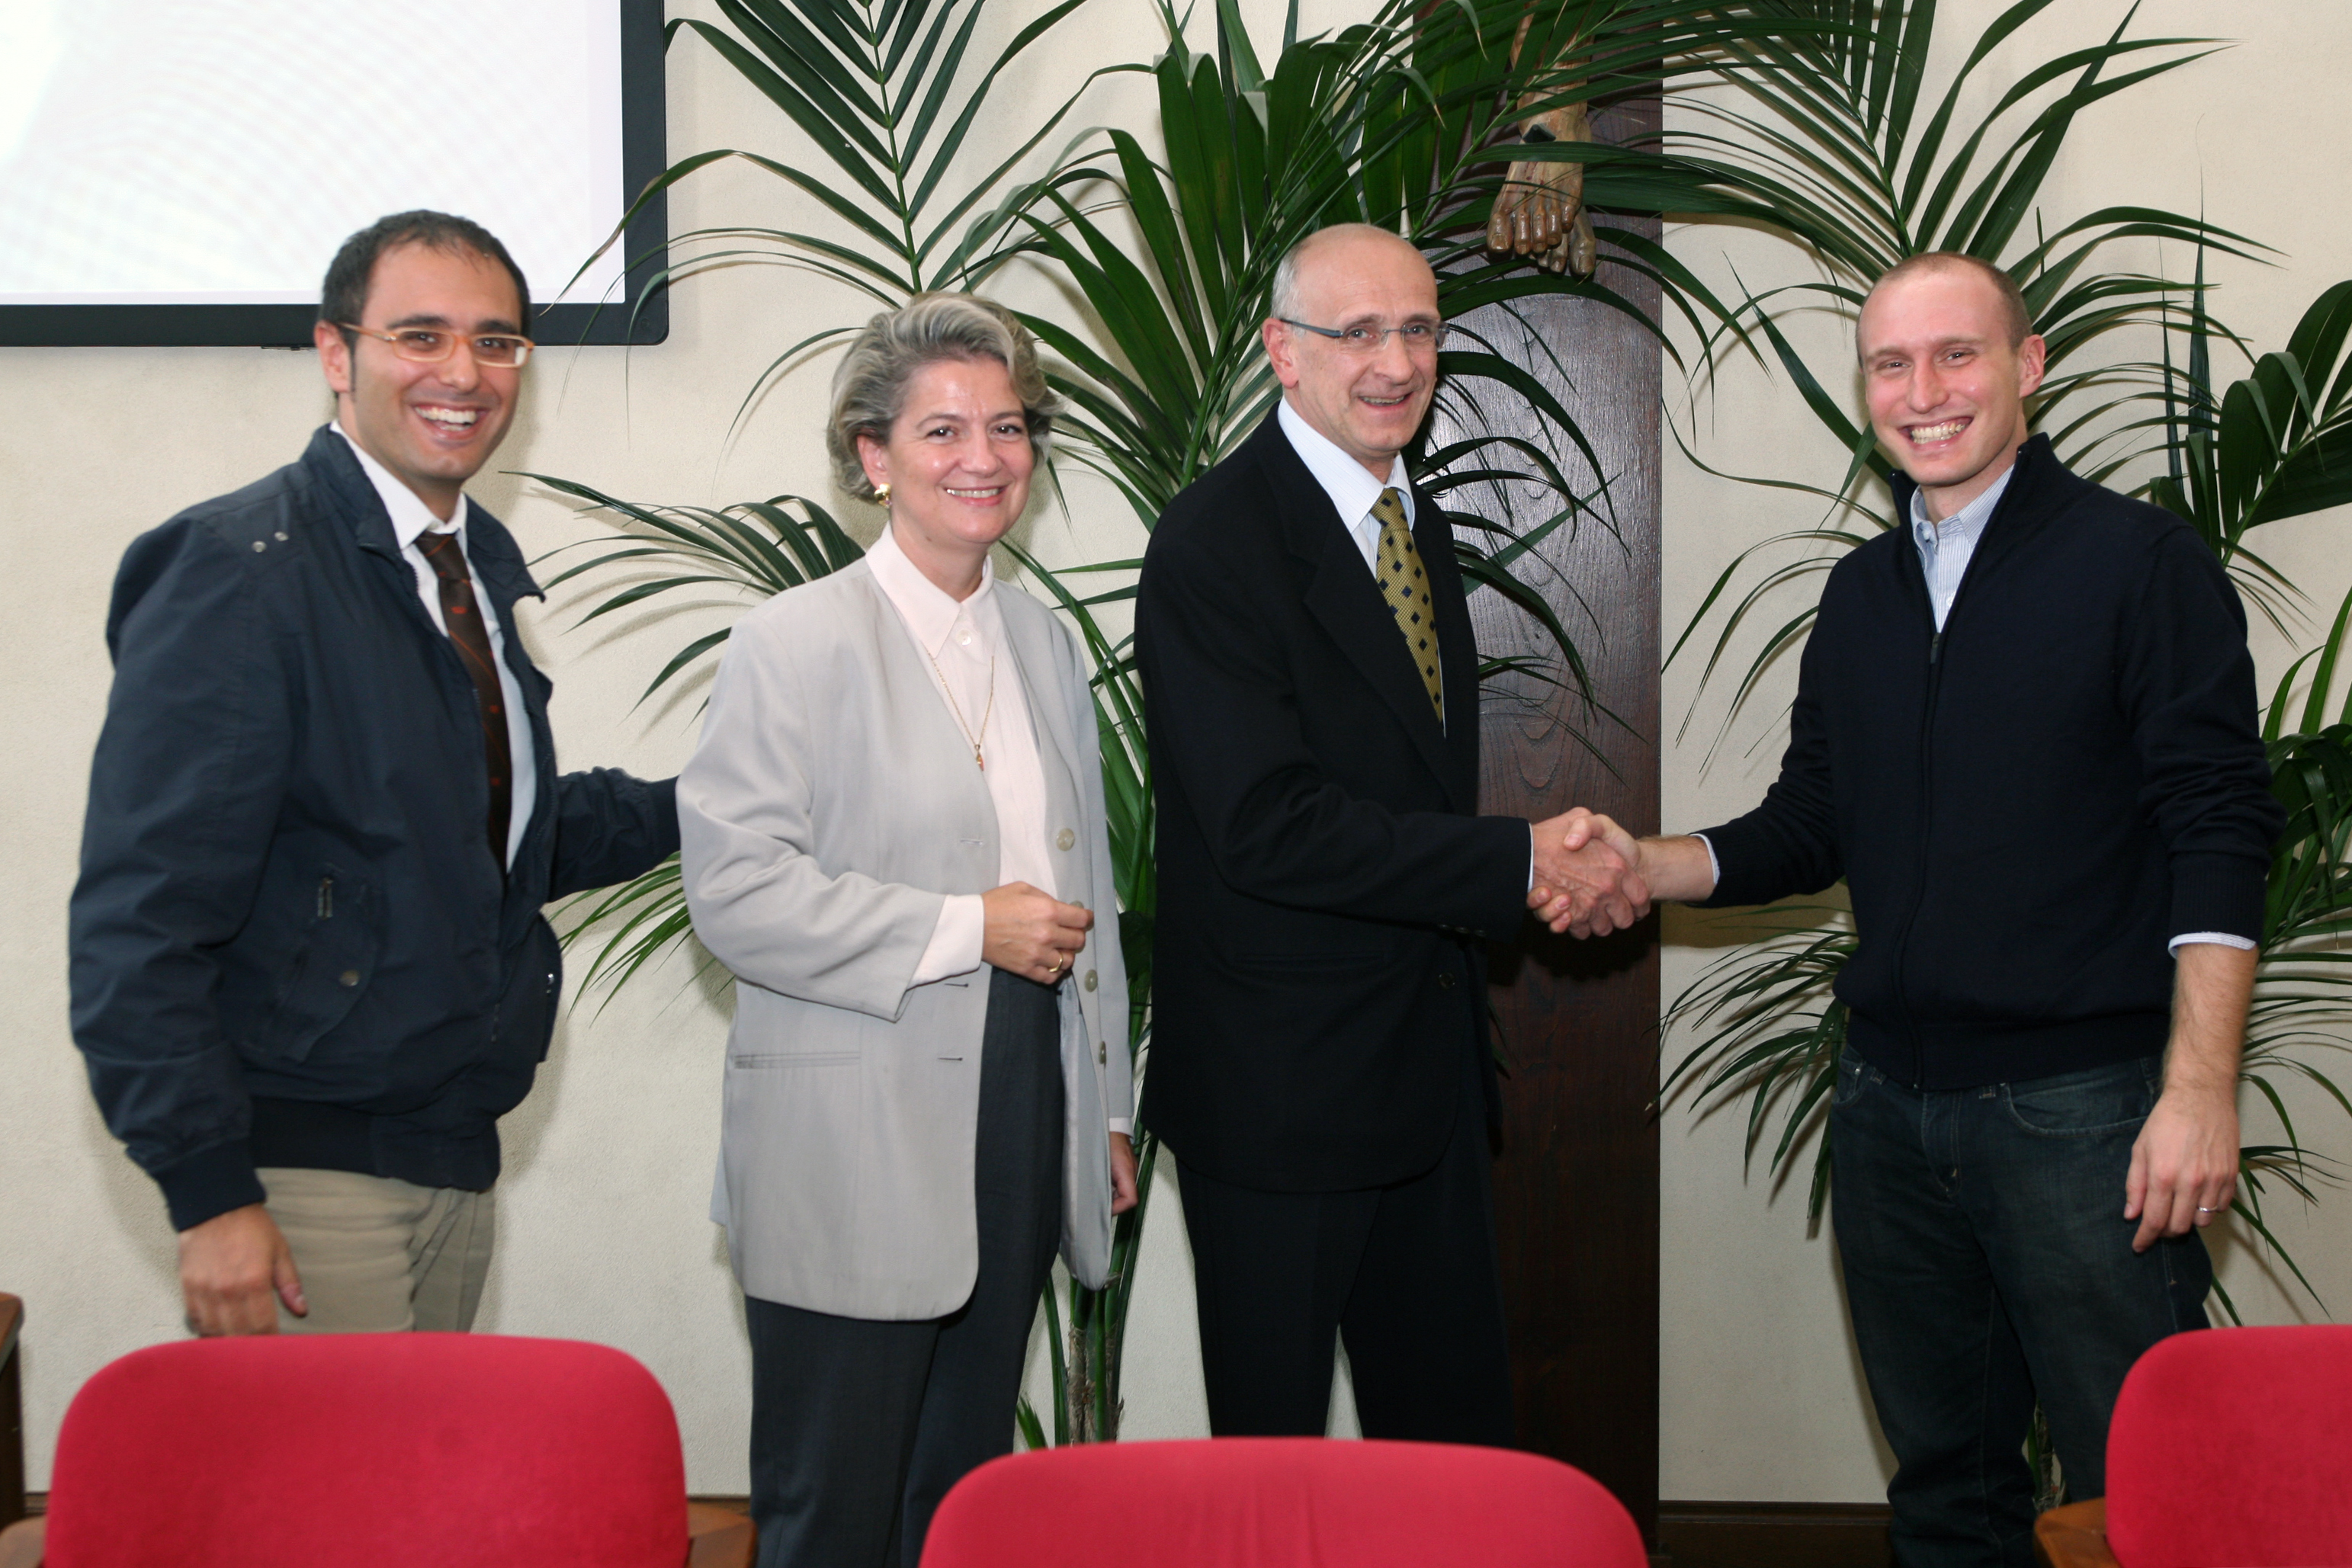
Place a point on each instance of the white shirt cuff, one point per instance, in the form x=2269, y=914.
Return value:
x=956, y=940
x=2219, y=938
x=1532, y=857
x=1714, y=866
x=1123, y=1125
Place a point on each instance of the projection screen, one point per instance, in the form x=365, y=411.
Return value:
x=180, y=172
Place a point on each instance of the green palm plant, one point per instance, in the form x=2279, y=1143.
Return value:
x=2268, y=448
x=886, y=95
x=753, y=549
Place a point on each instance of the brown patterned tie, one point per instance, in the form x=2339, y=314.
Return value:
x=1405, y=586
x=462, y=614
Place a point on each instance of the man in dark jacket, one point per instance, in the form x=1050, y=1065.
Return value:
x=2024, y=734
x=1319, y=1060
x=309, y=971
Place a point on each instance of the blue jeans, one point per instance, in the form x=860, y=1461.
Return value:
x=1987, y=1264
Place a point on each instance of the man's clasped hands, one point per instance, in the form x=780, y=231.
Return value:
x=1589, y=877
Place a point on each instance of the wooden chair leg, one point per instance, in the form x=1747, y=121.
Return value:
x=2074, y=1536
x=716, y=1538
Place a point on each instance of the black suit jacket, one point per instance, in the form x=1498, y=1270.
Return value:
x=1322, y=868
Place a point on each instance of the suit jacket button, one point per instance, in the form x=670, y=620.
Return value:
x=349, y=978
x=1065, y=839
x=1446, y=981
x=1089, y=981
x=1102, y=1054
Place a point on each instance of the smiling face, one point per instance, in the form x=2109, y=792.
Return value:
x=434, y=425
x=1946, y=390
x=958, y=463
x=1368, y=404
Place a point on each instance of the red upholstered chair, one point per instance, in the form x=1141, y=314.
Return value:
x=1295, y=1502
x=2230, y=1447
x=371, y=1451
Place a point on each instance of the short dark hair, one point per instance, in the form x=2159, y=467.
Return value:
x=343, y=296
x=2016, y=320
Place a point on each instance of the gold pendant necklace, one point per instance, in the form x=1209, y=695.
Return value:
x=979, y=758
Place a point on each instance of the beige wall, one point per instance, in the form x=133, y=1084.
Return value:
x=609, y=1161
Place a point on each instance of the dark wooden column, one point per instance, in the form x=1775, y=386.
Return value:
x=1577, y=1181
x=12, y=1413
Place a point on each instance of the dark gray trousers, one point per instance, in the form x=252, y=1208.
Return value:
x=858, y=1427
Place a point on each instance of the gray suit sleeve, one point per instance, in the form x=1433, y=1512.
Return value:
x=762, y=903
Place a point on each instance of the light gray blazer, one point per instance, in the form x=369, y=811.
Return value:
x=830, y=808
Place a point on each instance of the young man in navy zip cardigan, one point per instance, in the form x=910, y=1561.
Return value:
x=2025, y=735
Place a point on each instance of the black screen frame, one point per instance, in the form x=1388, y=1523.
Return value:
x=645, y=153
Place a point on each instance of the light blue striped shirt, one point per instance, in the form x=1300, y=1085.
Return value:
x=1946, y=548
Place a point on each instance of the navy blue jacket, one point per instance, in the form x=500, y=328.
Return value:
x=2028, y=806
x=290, y=946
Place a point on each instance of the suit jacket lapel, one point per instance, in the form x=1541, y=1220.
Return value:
x=1344, y=597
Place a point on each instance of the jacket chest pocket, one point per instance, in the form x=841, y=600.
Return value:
x=331, y=965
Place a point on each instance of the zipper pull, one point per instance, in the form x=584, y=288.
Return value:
x=1935, y=649
x=326, y=898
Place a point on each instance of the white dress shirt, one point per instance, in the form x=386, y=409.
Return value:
x=1350, y=485
x=411, y=520
x=1946, y=549
x=965, y=649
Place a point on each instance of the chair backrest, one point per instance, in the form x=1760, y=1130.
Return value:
x=382, y=1450
x=1299, y=1502
x=2232, y=1446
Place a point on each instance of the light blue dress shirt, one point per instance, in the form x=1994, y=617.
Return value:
x=1944, y=547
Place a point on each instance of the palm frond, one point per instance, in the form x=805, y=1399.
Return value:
x=748, y=552
x=1826, y=137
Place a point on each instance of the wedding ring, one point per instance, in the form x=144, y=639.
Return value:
x=1055, y=967
x=2203, y=1210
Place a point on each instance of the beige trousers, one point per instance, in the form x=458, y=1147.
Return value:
x=380, y=1254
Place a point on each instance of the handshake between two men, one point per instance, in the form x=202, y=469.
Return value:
x=1593, y=877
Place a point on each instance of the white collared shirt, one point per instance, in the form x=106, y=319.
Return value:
x=965, y=649
x=1350, y=485
x=963, y=646
x=411, y=520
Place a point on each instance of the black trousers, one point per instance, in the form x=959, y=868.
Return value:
x=858, y=1427
x=1405, y=1274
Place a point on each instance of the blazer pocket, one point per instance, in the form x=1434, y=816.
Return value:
x=755, y=1060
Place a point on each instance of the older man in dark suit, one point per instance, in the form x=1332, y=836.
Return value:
x=1318, y=1064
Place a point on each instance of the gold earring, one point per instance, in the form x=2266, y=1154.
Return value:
x=882, y=495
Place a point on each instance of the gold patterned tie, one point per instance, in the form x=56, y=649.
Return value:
x=1405, y=586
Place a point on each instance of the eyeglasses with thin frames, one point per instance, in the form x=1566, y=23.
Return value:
x=1418, y=337
x=431, y=345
